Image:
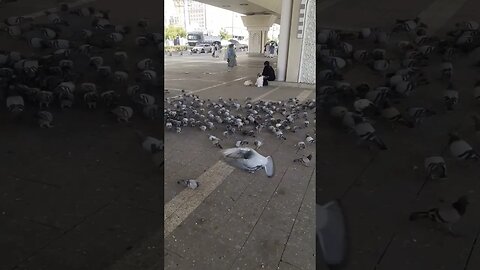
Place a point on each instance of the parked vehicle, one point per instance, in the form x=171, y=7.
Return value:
x=202, y=48
x=238, y=45
x=196, y=38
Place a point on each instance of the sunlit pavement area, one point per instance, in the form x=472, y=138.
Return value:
x=379, y=189
x=248, y=221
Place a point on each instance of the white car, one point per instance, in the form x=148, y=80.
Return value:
x=202, y=48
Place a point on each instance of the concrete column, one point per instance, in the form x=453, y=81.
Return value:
x=307, y=63
x=285, y=23
x=256, y=40
x=257, y=26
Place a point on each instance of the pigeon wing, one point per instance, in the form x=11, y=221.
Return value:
x=269, y=167
x=237, y=153
x=331, y=233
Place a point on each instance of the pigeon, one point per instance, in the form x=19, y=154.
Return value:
x=361, y=105
x=250, y=160
x=150, y=144
x=215, y=141
x=123, y=113
x=257, y=144
x=45, y=119
x=448, y=215
x=460, y=149
x=366, y=132
x=419, y=113
x=305, y=160
x=309, y=139
x=300, y=145
x=393, y=115
x=435, y=167
x=15, y=104
x=450, y=97
x=190, y=183
x=241, y=143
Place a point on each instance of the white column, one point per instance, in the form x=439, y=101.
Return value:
x=285, y=23
x=257, y=26
x=256, y=40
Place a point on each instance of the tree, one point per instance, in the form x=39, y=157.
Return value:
x=171, y=32
x=224, y=35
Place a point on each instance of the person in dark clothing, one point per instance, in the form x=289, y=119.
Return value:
x=268, y=73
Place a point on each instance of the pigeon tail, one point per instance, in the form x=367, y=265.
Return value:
x=269, y=168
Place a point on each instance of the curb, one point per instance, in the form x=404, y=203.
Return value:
x=293, y=84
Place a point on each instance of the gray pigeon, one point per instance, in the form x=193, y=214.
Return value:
x=150, y=144
x=435, y=167
x=448, y=215
x=190, y=183
x=460, y=149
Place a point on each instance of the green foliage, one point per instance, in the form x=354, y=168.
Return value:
x=171, y=32
x=224, y=34
x=177, y=48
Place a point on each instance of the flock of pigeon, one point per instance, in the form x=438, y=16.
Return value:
x=78, y=59
x=399, y=59
x=242, y=120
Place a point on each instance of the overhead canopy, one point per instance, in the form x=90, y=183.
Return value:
x=248, y=7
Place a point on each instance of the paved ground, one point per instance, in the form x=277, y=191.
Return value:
x=378, y=190
x=247, y=221
x=83, y=194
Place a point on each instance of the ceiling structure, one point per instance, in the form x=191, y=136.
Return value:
x=248, y=7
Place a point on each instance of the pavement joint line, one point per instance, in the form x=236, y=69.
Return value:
x=213, y=86
x=384, y=251
x=182, y=205
x=304, y=95
x=471, y=250
x=439, y=12
x=14, y=177
x=265, y=94
x=296, y=217
x=258, y=219
x=174, y=252
x=289, y=263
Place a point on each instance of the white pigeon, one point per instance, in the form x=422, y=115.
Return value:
x=300, y=145
x=248, y=83
x=250, y=160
